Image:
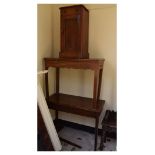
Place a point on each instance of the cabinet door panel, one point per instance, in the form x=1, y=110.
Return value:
x=71, y=33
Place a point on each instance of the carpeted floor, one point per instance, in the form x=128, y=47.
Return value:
x=84, y=139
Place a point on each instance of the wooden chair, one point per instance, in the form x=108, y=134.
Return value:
x=109, y=124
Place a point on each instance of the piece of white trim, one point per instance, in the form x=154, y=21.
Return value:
x=42, y=72
x=47, y=118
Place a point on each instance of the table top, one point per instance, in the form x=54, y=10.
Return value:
x=92, y=63
x=69, y=59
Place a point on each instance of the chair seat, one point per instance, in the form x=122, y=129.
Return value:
x=110, y=124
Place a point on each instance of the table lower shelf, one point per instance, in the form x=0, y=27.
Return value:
x=75, y=104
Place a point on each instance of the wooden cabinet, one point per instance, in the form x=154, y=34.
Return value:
x=74, y=32
x=74, y=54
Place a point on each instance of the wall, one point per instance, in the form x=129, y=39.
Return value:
x=102, y=44
x=44, y=42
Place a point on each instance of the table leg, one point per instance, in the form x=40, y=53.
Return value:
x=96, y=132
x=102, y=138
x=57, y=88
x=46, y=84
x=95, y=91
x=56, y=114
x=99, y=84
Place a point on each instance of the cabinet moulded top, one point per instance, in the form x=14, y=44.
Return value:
x=74, y=6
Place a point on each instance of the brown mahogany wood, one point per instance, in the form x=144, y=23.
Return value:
x=75, y=104
x=90, y=107
x=93, y=64
x=57, y=88
x=96, y=132
x=96, y=86
x=57, y=80
x=99, y=84
x=74, y=26
x=46, y=84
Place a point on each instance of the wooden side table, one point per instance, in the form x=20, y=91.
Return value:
x=91, y=107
